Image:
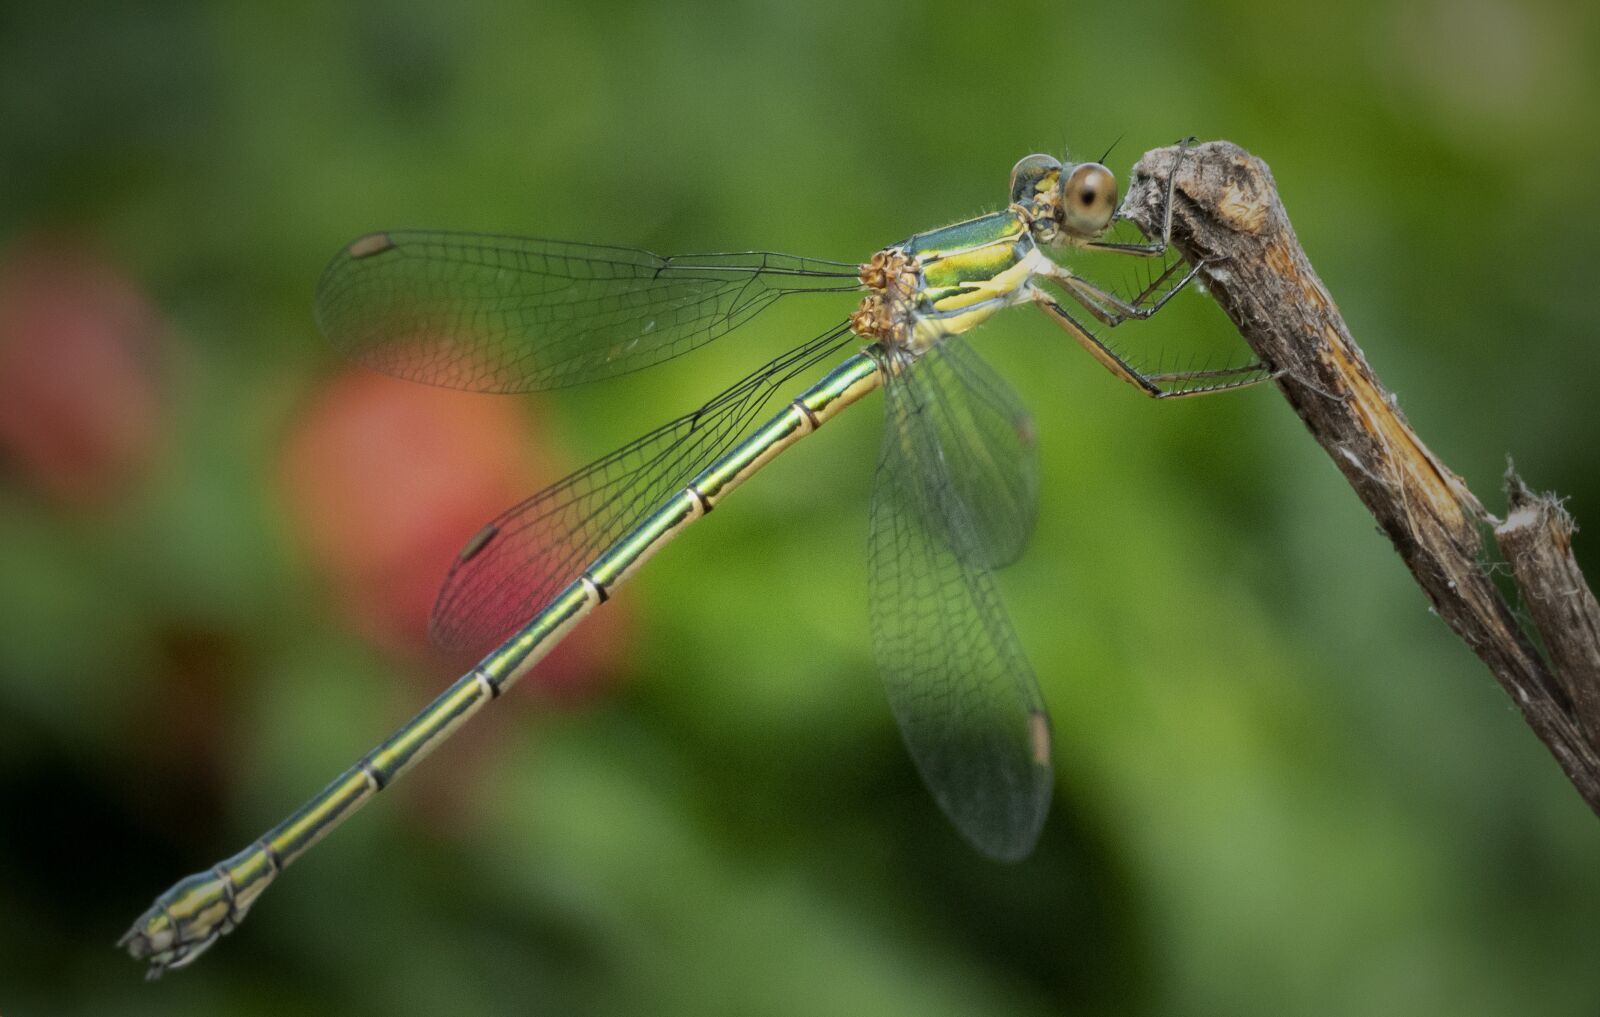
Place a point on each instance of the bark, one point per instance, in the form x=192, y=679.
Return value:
x=1227, y=215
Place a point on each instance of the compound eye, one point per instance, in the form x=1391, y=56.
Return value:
x=1088, y=200
x=1032, y=176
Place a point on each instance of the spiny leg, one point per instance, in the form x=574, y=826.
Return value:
x=1112, y=310
x=1152, y=385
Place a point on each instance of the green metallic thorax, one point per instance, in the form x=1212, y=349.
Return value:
x=969, y=271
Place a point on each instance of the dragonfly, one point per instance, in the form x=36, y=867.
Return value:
x=955, y=491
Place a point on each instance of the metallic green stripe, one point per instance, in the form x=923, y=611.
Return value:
x=250, y=871
x=994, y=228
x=722, y=476
x=517, y=655
x=409, y=744
x=842, y=386
x=290, y=838
x=632, y=551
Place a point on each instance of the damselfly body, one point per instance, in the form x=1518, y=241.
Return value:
x=955, y=493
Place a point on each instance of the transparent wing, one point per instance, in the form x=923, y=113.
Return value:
x=512, y=314
x=985, y=499
x=518, y=562
x=966, y=699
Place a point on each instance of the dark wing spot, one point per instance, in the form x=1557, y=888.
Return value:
x=479, y=541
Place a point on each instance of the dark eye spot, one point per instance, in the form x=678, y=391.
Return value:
x=1087, y=196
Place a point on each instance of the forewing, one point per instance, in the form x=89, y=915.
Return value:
x=518, y=562
x=514, y=314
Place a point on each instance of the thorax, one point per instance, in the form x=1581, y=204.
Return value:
x=946, y=281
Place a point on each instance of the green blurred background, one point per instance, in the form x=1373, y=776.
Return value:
x=1284, y=788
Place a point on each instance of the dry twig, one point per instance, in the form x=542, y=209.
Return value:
x=1227, y=214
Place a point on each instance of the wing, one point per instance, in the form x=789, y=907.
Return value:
x=518, y=562
x=511, y=314
x=985, y=499
x=966, y=699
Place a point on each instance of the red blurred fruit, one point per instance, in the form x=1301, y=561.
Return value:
x=80, y=372
x=386, y=480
